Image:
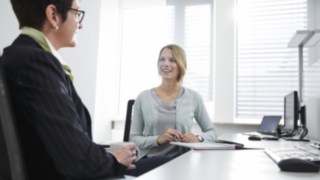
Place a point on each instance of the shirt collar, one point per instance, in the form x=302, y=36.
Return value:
x=43, y=41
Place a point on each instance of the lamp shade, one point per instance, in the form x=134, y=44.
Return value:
x=314, y=39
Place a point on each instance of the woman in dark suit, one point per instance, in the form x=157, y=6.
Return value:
x=54, y=125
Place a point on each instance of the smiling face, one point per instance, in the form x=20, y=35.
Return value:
x=67, y=33
x=172, y=63
x=167, y=65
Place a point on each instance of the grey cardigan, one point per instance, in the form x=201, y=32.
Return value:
x=144, y=125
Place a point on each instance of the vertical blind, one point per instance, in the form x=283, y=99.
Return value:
x=267, y=69
x=198, y=45
x=148, y=25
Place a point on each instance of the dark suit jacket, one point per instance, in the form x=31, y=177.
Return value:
x=54, y=125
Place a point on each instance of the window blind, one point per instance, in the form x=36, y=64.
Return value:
x=144, y=31
x=266, y=69
x=147, y=27
x=198, y=46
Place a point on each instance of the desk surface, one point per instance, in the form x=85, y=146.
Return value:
x=224, y=165
x=240, y=138
x=228, y=164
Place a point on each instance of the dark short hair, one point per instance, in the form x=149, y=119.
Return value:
x=31, y=13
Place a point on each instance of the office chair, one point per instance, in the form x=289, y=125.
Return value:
x=128, y=121
x=11, y=160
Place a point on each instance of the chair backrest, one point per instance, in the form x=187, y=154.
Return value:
x=128, y=121
x=11, y=160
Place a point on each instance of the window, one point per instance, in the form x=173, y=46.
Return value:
x=267, y=69
x=148, y=25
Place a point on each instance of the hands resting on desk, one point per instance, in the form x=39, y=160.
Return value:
x=126, y=155
x=175, y=136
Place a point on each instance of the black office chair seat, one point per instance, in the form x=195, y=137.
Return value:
x=128, y=120
x=11, y=160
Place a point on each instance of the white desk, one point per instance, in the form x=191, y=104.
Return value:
x=224, y=165
x=240, y=138
x=249, y=164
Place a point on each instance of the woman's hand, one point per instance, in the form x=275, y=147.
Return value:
x=126, y=155
x=189, y=138
x=170, y=135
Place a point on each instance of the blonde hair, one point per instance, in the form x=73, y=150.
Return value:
x=180, y=57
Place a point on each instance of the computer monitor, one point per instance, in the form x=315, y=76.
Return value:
x=291, y=112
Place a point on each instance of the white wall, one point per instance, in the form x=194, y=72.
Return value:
x=83, y=58
x=106, y=94
x=224, y=61
x=9, y=25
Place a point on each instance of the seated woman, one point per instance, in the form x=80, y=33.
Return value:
x=165, y=113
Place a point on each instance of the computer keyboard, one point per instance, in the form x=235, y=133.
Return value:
x=304, y=153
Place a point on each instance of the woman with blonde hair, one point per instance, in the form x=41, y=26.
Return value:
x=165, y=113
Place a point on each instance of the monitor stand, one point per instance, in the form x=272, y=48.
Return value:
x=300, y=134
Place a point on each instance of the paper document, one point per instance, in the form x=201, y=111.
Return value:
x=205, y=145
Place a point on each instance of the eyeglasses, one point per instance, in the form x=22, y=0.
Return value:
x=79, y=13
